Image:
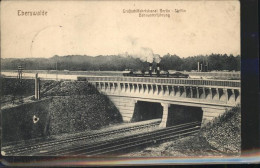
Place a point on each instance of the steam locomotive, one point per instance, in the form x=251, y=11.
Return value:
x=154, y=73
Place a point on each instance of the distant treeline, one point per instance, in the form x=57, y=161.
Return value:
x=120, y=63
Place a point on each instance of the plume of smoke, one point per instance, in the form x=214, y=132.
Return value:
x=157, y=58
x=143, y=53
x=146, y=54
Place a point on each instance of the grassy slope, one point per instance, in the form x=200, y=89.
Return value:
x=224, y=133
x=220, y=137
x=78, y=106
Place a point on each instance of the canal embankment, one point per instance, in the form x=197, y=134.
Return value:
x=64, y=107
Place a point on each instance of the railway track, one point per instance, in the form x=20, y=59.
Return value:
x=114, y=146
x=22, y=149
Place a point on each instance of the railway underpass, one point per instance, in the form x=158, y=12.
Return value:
x=177, y=114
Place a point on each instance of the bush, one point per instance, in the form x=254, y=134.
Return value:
x=81, y=112
x=224, y=132
x=78, y=106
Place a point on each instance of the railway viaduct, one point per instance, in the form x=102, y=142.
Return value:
x=211, y=97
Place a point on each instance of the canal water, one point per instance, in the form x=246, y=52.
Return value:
x=72, y=75
x=67, y=75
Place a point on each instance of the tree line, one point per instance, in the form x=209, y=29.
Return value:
x=119, y=63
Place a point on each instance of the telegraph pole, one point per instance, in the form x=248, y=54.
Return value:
x=20, y=73
x=37, y=87
x=56, y=69
x=20, y=85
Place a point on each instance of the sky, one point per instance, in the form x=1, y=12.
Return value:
x=102, y=28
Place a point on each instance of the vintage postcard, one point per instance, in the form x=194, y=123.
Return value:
x=121, y=78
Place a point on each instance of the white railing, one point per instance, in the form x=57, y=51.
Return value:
x=204, y=82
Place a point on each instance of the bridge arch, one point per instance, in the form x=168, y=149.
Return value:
x=145, y=110
x=179, y=114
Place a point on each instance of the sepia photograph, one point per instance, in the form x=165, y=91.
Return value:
x=121, y=78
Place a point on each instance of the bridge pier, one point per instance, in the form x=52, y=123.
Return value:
x=208, y=94
x=231, y=96
x=203, y=94
x=163, y=123
x=125, y=106
x=183, y=91
x=209, y=113
x=177, y=91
